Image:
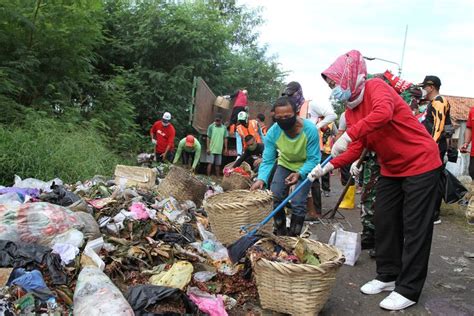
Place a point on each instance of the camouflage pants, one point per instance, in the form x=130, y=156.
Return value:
x=371, y=175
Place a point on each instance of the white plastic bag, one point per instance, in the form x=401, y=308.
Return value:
x=96, y=295
x=36, y=184
x=347, y=242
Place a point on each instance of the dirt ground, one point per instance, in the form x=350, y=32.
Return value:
x=449, y=288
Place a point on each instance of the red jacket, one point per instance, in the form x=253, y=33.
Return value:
x=240, y=99
x=384, y=123
x=164, y=135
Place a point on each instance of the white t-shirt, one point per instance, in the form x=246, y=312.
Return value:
x=325, y=111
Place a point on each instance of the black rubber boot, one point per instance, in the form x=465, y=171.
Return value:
x=296, y=225
x=280, y=223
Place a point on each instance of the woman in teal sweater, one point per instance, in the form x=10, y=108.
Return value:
x=296, y=143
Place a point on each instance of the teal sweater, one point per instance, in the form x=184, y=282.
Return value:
x=300, y=154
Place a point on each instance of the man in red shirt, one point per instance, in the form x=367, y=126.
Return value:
x=467, y=141
x=162, y=135
x=379, y=119
x=240, y=102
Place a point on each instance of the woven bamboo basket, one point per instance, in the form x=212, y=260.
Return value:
x=236, y=181
x=229, y=211
x=298, y=289
x=182, y=185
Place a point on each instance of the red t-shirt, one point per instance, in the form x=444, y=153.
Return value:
x=470, y=124
x=384, y=123
x=164, y=135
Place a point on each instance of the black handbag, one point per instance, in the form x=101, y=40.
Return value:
x=451, y=187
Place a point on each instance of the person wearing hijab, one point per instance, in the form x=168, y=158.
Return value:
x=379, y=120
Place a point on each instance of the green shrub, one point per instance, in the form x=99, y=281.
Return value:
x=45, y=148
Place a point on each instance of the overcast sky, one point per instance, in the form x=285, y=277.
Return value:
x=308, y=35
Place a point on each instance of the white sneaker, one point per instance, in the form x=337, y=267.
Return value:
x=376, y=287
x=396, y=302
x=437, y=222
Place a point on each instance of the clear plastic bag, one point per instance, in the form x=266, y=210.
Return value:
x=96, y=295
x=36, y=223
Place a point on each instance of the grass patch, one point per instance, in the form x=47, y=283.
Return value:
x=45, y=148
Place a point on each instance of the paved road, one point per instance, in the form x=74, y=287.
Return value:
x=449, y=289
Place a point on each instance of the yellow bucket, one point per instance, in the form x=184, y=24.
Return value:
x=349, y=198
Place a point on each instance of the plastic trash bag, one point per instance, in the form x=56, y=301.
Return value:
x=210, y=245
x=39, y=223
x=36, y=184
x=347, y=242
x=18, y=255
x=60, y=196
x=72, y=237
x=178, y=276
x=96, y=295
x=452, y=188
x=139, y=211
x=185, y=237
x=142, y=297
x=23, y=193
x=90, y=227
x=203, y=276
x=67, y=252
x=211, y=304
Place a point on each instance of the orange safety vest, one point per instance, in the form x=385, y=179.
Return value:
x=326, y=147
x=252, y=129
x=304, y=110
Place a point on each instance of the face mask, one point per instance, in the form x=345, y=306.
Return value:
x=243, y=122
x=339, y=94
x=253, y=147
x=422, y=108
x=424, y=93
x=287, y=123
x=165, y=123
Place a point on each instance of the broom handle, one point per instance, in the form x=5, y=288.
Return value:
x=346, y=188
x=285, y=201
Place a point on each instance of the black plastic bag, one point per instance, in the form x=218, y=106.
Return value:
x=185, y=237
x=23, y=255
x=452, y=154
x=451, y=187
x=141, y=297
x=60, y=196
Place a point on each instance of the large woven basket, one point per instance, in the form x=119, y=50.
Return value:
x=229, y=211
x=182, y=185
x=236, y=181
x=298, y=289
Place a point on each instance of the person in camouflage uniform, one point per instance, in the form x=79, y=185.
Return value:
x=371, y=174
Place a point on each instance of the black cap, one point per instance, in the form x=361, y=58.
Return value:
x=431, y=81
x=291, y=88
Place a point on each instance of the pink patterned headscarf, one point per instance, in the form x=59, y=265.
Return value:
x=349, y=71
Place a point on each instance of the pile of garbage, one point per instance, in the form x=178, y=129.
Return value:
x=104, y=246
x=274, y=250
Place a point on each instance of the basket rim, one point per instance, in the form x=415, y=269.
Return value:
x=303, y=267
x=267, y=195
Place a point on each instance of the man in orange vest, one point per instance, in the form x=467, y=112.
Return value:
x=246, y=127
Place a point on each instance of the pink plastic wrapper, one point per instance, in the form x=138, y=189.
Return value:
x=208, y=303
x=138, y=210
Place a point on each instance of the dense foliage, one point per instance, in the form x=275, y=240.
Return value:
x=107, y=69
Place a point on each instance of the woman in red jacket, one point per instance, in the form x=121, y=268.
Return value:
x=378, y=119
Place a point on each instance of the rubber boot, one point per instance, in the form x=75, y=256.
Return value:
x=280, y=223
x=296, y=225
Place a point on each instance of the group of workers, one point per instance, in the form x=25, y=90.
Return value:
x=401, y=194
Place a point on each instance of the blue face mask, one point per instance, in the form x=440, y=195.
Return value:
x=340, y=95
x=422, y=108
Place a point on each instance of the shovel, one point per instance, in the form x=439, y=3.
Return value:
x=238, y=248
x=330, y=215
